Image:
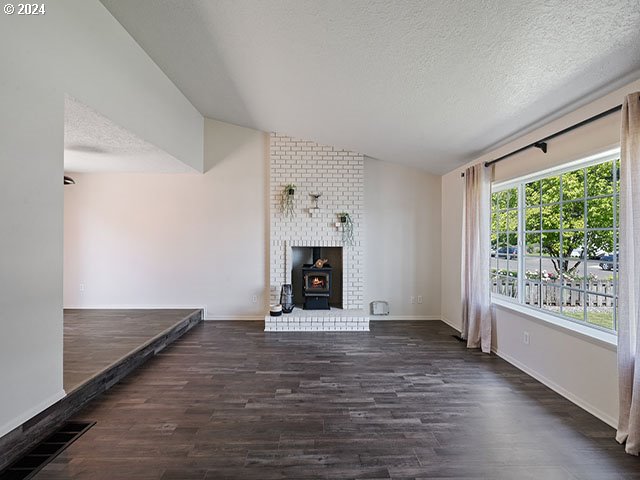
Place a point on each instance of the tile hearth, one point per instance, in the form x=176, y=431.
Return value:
x=334, y=320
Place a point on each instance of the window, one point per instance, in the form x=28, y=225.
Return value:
x=554, y=241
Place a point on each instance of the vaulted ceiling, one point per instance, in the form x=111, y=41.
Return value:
x=94, y=144
x=429, y=83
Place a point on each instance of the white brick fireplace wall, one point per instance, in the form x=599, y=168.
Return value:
x=339, y=176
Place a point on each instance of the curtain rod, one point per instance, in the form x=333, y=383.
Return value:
x=542, y=144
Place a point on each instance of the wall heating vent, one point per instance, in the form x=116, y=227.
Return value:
x=30, y=464
x=379, y=307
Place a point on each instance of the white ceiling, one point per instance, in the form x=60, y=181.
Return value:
x=94, y=144
x=426, y=83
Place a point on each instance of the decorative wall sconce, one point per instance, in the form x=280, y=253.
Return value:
x=315, y=207
x=315, y=197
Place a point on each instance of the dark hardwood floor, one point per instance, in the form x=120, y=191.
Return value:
x=405, y=400
x=101, y=347
x=95, y=339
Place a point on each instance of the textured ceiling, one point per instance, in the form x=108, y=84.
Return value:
x=426, y=83
x=93, y=143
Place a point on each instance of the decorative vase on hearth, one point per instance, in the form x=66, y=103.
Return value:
x=286, y=298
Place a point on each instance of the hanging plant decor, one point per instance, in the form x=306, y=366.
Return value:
x=346, y=228
x=286, y=200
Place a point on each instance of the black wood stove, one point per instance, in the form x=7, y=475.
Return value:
x=316, y=284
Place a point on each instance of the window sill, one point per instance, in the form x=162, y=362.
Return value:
x=593, y=335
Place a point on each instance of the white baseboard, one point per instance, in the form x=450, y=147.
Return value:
x=385, y=318
x=32, y=412
x=549, y=383
x=451, y=324
x=246, y=318
x=613, y=422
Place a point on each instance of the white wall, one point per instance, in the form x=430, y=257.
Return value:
x=140, y=240
x=171, y=240
x=77, y=48
x=578, y=367
x=402, y=239
x=451, y=253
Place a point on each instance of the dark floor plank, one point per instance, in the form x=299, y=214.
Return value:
x=100, y=348
x=95, y=339
x=403, y=401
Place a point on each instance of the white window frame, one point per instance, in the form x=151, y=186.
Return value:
x=604, y=335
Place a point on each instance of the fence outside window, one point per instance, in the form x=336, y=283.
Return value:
x=554, y=241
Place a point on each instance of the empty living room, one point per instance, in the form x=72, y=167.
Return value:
x=320, y=239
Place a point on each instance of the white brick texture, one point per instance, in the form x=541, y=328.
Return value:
x=305, y=321
x=339, y=176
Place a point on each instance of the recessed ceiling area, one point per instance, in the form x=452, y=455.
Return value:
x=94, y=144
x=426, y=83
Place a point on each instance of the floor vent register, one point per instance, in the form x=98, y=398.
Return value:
x=31, y=463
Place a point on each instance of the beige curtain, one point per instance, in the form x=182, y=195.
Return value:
x=629, y=283
x=476, y=293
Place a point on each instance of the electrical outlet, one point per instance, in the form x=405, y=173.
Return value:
x=82, y=287
x=254, y=299
x=526, y=339
x=420, y=299
x=413, y=300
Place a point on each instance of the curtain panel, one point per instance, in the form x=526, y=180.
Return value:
x=629, y=280
x=476, y=292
